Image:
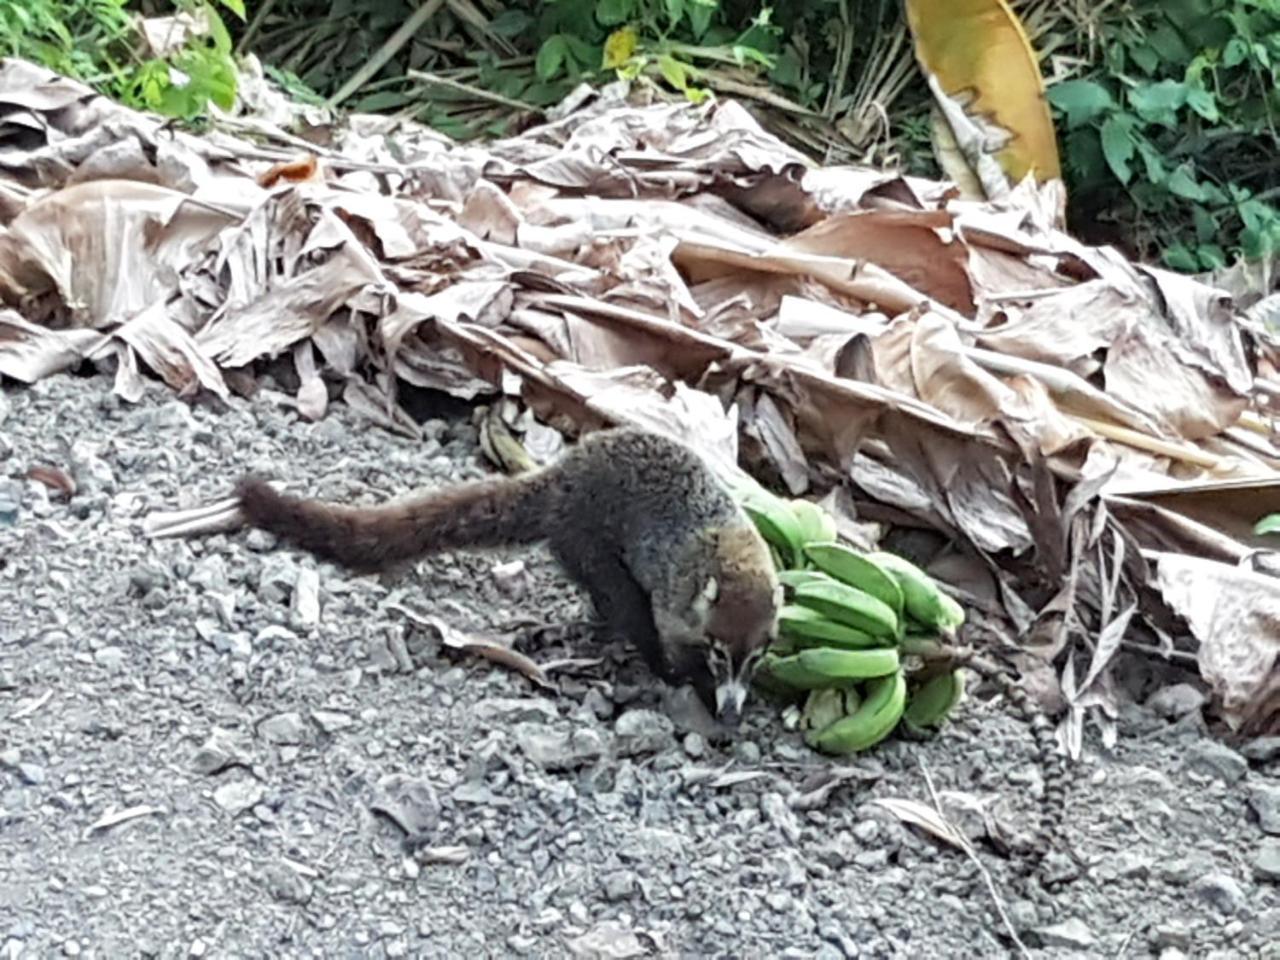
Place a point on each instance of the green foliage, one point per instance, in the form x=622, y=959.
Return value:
x=97, y=41
x=1268, y=524
x=1177, y=125
x=647, y=39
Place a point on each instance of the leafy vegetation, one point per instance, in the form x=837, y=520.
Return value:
x=1167, y=111
x=98, y=41
x=1175, y=129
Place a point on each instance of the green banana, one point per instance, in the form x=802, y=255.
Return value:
x=806, y=625
x=874, y=719
x=851, y=567
x=777, y=524
x=794, y=578
x=829, y=667
x=923, y=598
x=815, y=523
x=933, y=700
x=851, y=606
x=825, y=707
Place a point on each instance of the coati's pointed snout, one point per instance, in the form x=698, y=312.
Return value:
x=731, y=695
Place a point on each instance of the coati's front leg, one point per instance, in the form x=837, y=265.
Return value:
x=621, y=603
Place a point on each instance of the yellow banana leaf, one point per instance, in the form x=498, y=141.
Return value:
x=986, y=80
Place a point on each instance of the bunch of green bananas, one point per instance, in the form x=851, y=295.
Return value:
x=849, y=620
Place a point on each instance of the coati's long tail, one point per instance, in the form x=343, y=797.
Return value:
x=488, y=513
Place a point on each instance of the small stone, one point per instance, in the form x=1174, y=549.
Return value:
x=600, y=706
x=330, y=721
x=219, y=751
x=1266, y=862
x=866, y=831
x=1220, y=891
x=1176, y=700
x=554, y=749
x=1073, y=934
x=694, y=744
x=32, y=774
x=238, y=796
x=71, y=948
x=1265, y=801
x=197, y=948
x=113, y=658
x=395, y=949
x=1262, y=750
x=283, y=728
x=1174, y=933
x=304, y=608
x=779, y=901
x=608, y=939
x=514, y=710
x=619, y=885
x=642, y=731
x=286, y=884
x=1214, y=759
x=509, y=577
x=747, y=752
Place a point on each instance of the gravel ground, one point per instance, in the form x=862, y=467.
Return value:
x=213, y=748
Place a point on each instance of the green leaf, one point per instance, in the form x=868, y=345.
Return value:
x=675, y=10
x=1268, y=524
x=1082, y=100
x=1236, y=52
x=1145, y=56
x=1159, y=102
x=1117, y=147
x=1206, y=225
x=1203, y=103
x=550, y=57
x=1178, y=257
x=235, y=6
x=611, y=13
x=1182, y=183
x=1212, y=256
x=511, y=23
x=673, y=71
x=1157, y=172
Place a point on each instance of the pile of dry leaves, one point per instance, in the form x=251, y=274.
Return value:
x=1097, y=436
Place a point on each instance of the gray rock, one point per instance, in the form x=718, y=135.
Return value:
x=1265, y=801
x=1072, y=934
x=111, y=657
x=284, y=728
x=32, y=774
x=304, y=606
x=1176, y=700
x=221, y=750
x=1172, y=934
x=1262, y=750
x=238, y=796
x=331, y=721
x=1266, y=861
x=559, y=749
x=619, y=885
x=286, y=884
x=1220, y=891
x=609, y=940
x=1214, y=759
x=642, y=731
x=504, y=710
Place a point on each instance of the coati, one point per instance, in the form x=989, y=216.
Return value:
x=669, y=560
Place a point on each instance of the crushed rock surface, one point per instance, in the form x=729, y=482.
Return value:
x=216, y=748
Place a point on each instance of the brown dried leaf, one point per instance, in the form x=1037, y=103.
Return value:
x=1235, y=614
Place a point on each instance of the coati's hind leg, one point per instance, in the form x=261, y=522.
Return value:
x=620, y=602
